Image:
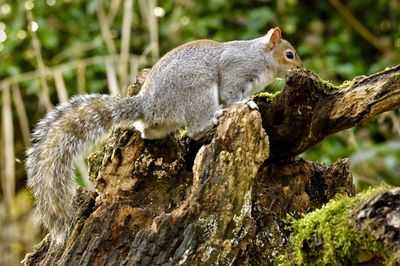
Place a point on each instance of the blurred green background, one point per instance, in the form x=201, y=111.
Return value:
x=53, y=49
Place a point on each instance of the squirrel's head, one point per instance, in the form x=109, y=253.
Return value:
x=282, y=52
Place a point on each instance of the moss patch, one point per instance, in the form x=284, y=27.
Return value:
x=328, y=85
x=327, y=237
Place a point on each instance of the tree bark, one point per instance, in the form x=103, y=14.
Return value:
x=180, y=202
x=313, y=109
x=363, y=230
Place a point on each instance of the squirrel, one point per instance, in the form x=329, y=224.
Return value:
x=188, y=87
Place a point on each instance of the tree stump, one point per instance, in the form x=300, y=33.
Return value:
x=225, y=200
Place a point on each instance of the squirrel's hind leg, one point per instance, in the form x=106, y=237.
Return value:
x=158, y=131
x=200, y=113
x=200, y=133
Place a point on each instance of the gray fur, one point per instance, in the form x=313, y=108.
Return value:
x=58, y=139
x=185, y=88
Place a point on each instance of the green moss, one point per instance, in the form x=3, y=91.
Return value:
x=326, y=237
x=325, y=84
x=95, y=161
x=328, y=86
x=266, y=94
x=182, y=132
x=346, y=84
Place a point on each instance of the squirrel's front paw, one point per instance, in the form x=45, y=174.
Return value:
x=251, y=104
x=218, y=114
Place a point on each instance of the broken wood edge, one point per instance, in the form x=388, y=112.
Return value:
x=310, y=109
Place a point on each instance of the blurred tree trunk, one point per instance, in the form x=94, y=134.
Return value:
x=225, y=200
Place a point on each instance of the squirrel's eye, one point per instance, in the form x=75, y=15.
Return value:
x=290, y=54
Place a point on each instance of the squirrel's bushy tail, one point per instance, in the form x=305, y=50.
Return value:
x=58, y=140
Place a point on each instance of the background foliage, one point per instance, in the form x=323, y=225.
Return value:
x=334, y=39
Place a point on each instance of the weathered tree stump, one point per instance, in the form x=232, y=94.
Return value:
x=180, y=202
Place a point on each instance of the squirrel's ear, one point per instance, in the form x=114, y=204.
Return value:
x=273, y=37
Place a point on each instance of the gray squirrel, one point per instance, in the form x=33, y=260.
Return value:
x=187, y=87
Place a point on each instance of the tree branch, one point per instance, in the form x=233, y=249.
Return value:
x=310, y=109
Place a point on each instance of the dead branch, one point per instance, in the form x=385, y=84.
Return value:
x=310, y=109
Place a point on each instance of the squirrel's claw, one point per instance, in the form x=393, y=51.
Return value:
x=251, y=104
x=217, y=115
